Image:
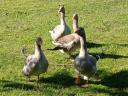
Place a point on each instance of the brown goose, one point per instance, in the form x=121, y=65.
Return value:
x=84, y=63
x=36, y=63
x=62, y=29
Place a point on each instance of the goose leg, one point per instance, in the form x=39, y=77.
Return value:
x=38, y=78
x=85, y=85
x=38, y=81
x=97, y=77
x=71, y=58
x=28, y=79
x=77, y=80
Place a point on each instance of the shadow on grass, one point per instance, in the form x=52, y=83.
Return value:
x=62, y=78
x=118, y=81
x=125, y=45
x=91, y=45
x=9, y=85
x=110, y=92
x=103, y=55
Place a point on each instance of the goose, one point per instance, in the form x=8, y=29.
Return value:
x=62, y=29
x=69, y=43
x=84, y=63
x=36, y=63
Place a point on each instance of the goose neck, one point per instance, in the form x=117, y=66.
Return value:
x=83, y=48
x=37, y=50
x=62, y=15
x=75, y=24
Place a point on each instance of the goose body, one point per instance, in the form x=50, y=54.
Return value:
x=67, y=43
x=84, y=63
x=85, y=66
x=36, y=63
x=62, y=29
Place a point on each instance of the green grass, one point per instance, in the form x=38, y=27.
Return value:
x=106, y=25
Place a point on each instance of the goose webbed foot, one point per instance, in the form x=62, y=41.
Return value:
x=85, y=85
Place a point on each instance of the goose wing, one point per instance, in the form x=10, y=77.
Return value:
x=66, y=42
x=31, y=61
x=66, y=39
x=30, y=64
x=57, y=32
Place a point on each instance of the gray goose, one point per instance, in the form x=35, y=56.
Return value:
x=84, y=63
x=69, y=43
x=62, y=29
x=36, y=63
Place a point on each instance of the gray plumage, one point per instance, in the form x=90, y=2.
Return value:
x=85, y=63
x=36, y=63
x=86, y=66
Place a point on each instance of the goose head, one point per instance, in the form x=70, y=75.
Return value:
x=75, y=17
x=61, y=9
x=81, y=32
x=39, y=42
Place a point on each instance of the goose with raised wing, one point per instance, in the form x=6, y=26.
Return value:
x=62, y=29
x=36, y=63
x=84, y=63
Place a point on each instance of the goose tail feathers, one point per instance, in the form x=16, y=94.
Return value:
x=97, y=57
x=23, y=53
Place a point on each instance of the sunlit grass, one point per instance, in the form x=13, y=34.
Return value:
x=105, y=22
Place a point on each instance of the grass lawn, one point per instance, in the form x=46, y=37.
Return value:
x=106, y=25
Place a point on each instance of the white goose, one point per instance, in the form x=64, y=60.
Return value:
x=69, y=43
x=62, y=29
x=85, y=64
x=36, y=63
